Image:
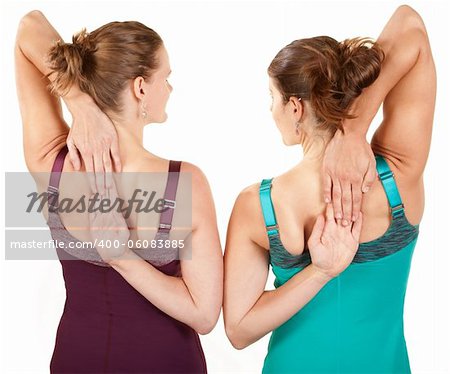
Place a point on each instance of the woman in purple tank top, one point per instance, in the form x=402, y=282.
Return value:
x=124, y=312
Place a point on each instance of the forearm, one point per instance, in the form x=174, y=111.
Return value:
x=402, y=40
x=277, y=306
x=35, y=37
x=168, y=293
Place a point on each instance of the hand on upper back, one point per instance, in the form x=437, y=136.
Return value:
x=332, y=246
x=94, y=136
x=108, y=228
x=349, y=169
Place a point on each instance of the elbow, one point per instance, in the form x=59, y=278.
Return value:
x=410, y=18
x=204, y=328
x=28, y=20
x=236, y=338
x=413, y=29
x=31, y=17
x=206, y=323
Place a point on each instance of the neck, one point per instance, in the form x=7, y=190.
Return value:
x=131, y=140
x=314, y=145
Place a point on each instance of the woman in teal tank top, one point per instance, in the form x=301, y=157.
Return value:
x=358, y=315
x=338, y=301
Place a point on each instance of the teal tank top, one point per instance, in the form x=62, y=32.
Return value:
x=355, y=323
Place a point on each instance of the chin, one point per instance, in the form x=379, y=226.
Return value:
x=162, y=119
x=288, y=142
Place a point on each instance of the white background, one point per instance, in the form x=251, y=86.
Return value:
x=219, y=119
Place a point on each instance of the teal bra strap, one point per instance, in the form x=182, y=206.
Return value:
x=267, y=207
x=387, y=180
x=390, y=187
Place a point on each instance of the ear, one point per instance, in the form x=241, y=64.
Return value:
x=296, y=105
x=138, y=87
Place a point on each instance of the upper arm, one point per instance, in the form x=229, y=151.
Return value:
x=203, y=272
x=246, y=262
x=405, y=133
x=44, y=128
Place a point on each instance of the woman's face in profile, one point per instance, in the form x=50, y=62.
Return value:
x=283, y=115
x=159, y=88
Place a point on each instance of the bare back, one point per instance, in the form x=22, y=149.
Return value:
x=147, y=173
x=297, y=199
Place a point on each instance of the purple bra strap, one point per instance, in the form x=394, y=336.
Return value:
x=55, y=176
x=165, y=222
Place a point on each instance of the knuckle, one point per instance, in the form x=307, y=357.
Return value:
x=347, y=179
x=104, y=143
x=83, y=145
x=97, y=148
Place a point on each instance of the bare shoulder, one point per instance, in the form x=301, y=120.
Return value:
x=199, y=179
x=190, y=174
x=247, y=202
x=195, y=186
x=248, y=217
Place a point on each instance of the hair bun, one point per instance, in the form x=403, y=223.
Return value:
x=69, y=61
x=361, y=60
x=328, y=73
x=83, y=42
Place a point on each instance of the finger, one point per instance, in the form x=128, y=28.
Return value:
x=357, y=199
x=369, y=177
x=116, y=211
x=94, y=220
x=112, y=190
x=73, y=155
x=337, y=203
x=316, y=233
x=356, y=229
x=113, y=196
x=107, y=166
x=346, y=203
x=120, y=222
x=327, y=185
x=115, y=154
x=89, y=165
x=329, y=213
x=99, y=172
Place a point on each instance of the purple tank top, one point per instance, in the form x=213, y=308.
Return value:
x=107, y=326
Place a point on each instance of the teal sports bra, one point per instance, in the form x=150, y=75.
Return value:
x=355, y=322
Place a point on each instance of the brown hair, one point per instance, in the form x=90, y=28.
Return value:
x=101, y=62
x=328, y=73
